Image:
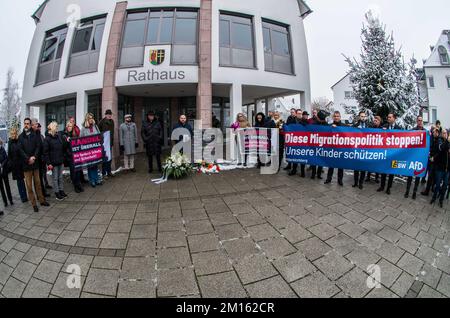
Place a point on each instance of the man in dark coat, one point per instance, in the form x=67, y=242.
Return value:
x=441, y=167
x=360, y=175
x=431, y=171
x=391, y=125
x=320, y=120
x=292, y=120
x=336, y=123
x=107, y=124
x=152, y=135
x=15, y=163
x=419, y=126
x=302, y=119
x=37, y=128
x=30, y=147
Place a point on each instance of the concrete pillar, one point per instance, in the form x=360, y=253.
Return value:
x=204, y=89
x=138, y=118
x=110, y=97
x=235, y=100
x=81, y=108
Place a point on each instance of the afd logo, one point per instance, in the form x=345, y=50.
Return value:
x=416, y=166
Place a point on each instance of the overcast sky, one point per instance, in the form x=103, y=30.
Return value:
x=332, y=30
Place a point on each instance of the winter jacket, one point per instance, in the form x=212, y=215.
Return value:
x=339, y=124
x=3, y=162
x=361, y=125
x=67, y=140
x=54, y=150
x=396, y=127
x=15, y=160
x=152, y=136
x=107, y=125
x=261, y=124
x=128, y=138
x=440, y=155
x=30, y=145
x=292, y=120
x=186, y=126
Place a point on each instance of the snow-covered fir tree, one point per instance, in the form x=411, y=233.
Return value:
x=10, y=105
x=382, y=82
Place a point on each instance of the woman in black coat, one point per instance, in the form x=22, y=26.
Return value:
x=4, y=179
x=16, y=164
x=152, y=135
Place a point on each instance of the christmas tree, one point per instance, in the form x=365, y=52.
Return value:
x=382, y=82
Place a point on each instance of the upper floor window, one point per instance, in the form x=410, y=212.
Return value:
x=176, y=27
x=431, y=82
x=87, y=41
x=50, y=59
x=448, y=81
x=277, y=48
x=349, y=95
x=443, y=55
x=236, y=41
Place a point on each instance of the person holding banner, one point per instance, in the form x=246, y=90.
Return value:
x=319, y=118
x=441, y=167
x=336, y=123
x=292, y=120
x=377, y=124
x=107, y=124
x=76, y=176
x=391, y=125
x=128, y=142
x=431, y=171
x=54, y=154
x=360, y=175
x=241, y=123
x=302, y=119
x=419, y=126
x=90, y=129
x=262, y=122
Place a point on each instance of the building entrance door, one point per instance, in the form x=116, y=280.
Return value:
x=161, y=107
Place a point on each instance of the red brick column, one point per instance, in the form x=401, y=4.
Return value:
x=109, y=94
x=204, y=89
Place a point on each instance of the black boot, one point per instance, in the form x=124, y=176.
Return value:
x=63, y=194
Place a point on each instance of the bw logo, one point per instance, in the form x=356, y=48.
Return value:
x=157, y=57
x=394, y=164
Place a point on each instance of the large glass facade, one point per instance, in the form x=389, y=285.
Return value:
x=95, y=106
x=236, y=41
x=277, y=48
x=50, y=61
x=221, y=113
x=86, y=46
x=60, y=112
x=176, y=27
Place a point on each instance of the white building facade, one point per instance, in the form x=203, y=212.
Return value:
x=437, y=81
x=193, y=57
x=343, y=97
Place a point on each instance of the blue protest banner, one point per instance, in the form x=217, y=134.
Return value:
x=398, y=152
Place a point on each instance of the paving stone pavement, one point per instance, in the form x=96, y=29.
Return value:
x=237, y=234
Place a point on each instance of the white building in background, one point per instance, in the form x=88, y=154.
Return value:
x=343, y=96
x=436, y=79
x=194, y=57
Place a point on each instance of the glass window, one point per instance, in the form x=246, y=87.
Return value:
x=224, y=33
x=60, y=112
x=280, y=43
x=134, y=33
x=242, y=36
x=431, y=82
x=443, y=55
x=85, y=48
x=277, y=48
x=236, y=41
x=185, y=32
x=95, y=106
x=448, y=81
x=98, y=35
x=50, y=62
x=267, y=41
x=81, y=40
x=49, y=50
x=166, y=30
x=152, y=32
x=171, y=26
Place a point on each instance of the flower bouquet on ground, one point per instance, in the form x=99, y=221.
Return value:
x=207, y=168
x=176, y=166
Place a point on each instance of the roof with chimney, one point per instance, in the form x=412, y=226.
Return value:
x=441, y=47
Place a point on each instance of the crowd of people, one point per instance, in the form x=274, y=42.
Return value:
x=437, y=175
x=32, y=154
